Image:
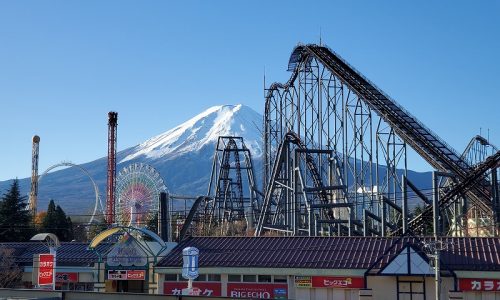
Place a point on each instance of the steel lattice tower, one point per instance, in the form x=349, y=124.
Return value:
x=232, y=190
x=34, y=175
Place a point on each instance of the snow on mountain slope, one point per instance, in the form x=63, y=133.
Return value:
x=182, y=155
x=204, y=129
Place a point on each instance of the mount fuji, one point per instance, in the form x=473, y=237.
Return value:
x=182, y=155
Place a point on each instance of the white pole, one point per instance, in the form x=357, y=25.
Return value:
x=53, y=251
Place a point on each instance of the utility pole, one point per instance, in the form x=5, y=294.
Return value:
x=435, y=210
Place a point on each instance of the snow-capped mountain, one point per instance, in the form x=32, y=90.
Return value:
x=201, y=131
x=182, y=155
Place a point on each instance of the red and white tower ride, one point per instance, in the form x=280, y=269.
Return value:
x=110, y=200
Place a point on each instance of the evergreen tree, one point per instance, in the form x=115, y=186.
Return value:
x=15, y=219
x=49, y=221
x=57, y=222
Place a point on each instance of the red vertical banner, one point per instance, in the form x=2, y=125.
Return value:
x=45, y=269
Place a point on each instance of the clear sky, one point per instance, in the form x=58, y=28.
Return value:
x=65, y=64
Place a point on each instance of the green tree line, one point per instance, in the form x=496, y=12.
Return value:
x=18, y=225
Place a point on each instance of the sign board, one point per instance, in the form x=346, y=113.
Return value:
x=257, y=290
x=127, y=252
x=136, y=275
x=117, y=274
x=190, y=262
x=303, y=281
x=208, y=289
x=126, y=275
x=66, y=277
x=45, y=269
x=475, y=284
x=335, y=282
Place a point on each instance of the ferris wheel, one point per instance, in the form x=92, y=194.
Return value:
x=137, y=188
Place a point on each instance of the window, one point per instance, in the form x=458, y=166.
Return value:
x=280, y=279
x=170, y=277
x=201, y=277
x=213, y=277
x=411, y=290
x=233, y=278
x=264, y=278
x=249, y=278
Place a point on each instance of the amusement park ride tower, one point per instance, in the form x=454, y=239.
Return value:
x=34, y=174
x=110, y=200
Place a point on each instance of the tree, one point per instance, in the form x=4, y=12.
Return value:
x=152, y=223
x=39, y=219
x=15, y=219
x=10, y=272
x=95, y=229
x=56, y=222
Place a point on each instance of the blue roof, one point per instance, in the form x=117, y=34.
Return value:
x=69, y=253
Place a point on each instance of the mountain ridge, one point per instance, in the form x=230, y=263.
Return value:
x=182, y=155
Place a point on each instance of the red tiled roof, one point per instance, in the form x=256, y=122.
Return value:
x=460, y=253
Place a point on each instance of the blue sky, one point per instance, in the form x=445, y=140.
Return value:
x=65, y=64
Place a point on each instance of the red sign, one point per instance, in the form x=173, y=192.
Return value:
x=136, y=275
x=473, y=284
x=257, y=290
x=207, y=288
x=126, y=274
x=67, y=277
x=45, y=269
x=338, y=282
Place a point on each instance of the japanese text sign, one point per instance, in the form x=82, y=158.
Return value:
x=206, y=288
x=45, y=269
x=474, y=284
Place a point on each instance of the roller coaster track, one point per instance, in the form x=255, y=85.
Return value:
x=425, y=142
x=290, y=138
x=473, y=178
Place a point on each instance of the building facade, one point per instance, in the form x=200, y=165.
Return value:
x=338, y=268
x=282, y=267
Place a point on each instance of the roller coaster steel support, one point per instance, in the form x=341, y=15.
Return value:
x=296, y=201
x=496, y=193
x=328, y=105
x=327, y=115
x=232, y=186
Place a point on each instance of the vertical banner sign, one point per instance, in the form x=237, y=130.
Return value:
x=45, y=269
x=190, y=262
